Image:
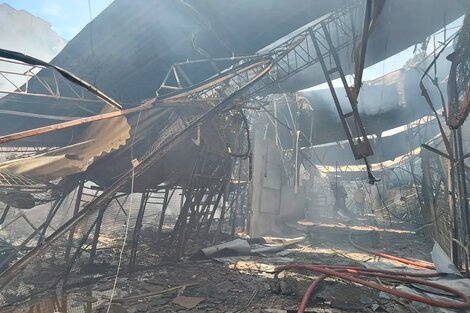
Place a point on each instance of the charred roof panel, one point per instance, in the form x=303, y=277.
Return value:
x=128, y=49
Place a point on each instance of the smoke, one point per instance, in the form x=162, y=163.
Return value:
x=25, y=33
x=392, y=91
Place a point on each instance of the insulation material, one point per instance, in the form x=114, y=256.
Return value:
x=99, y=139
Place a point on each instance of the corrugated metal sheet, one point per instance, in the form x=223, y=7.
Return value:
x=99, y=139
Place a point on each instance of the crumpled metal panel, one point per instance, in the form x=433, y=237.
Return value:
x=99, y=139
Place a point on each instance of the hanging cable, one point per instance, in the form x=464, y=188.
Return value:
x=129, y=214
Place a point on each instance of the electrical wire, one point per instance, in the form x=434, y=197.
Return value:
x=123, y=244
x=126, y=231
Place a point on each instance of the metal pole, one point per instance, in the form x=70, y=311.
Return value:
x=166, y=201
x=137, y=228
x=78, y=251
x=4, y=214
x=99, y=221
x=75, y=212
x=235, y=207
x=188, y=196
x=453, y=204
x=462, y=176
x=462, y=187
x=50, y=216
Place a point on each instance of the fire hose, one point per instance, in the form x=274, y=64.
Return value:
x=392, y=257
x=350, y=274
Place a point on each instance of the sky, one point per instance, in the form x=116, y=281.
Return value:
x=67, y=17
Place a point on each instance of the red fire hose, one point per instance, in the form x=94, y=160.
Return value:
x=354, y=270
x=392, y=257
x=346, y=273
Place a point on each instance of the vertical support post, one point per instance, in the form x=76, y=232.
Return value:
x=52, y=212
x=188, y=196
x=335, y=209
x=137, y=228
x=178, y=230
x=99, y=221
x=235, y=210
x=166, y=201
x=453, y=204
x=75, y=212
x=462, y=177
x=429, y=209
x=78, y=251
x=243, y=206
x=4, y=214
x=249, y=192
x=459, y=167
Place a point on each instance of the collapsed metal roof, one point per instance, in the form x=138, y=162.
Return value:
x=128, y=49
x=197, y=138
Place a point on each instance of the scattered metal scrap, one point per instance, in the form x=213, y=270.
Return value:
x=242, y=247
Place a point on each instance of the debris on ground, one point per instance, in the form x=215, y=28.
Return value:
x=187, y=302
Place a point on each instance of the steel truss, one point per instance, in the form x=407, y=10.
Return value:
x=291, y=56
x=18, y=82
x=313, y=45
